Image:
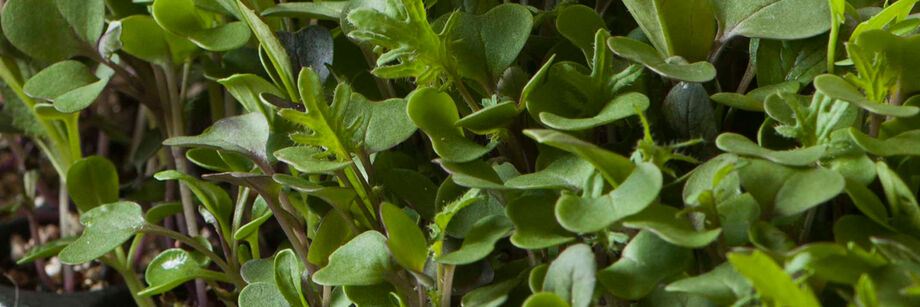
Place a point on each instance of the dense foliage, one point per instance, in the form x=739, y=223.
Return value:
x=477, y=153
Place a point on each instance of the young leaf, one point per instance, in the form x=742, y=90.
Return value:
x=332, y=233
x=479, y=241
x=770, y=281
x=287, y=277
x=68, y=84
x=671, y=67
x=672, y=30
x=91, y=182
x=326, y=10
x=405, y=240
x=838, y=88
x=623, y=106
x=435, y=113
x=723, y=285
x=86, y=18
x=262, y=294
x=666, y=222
x=46, y=250
x=738, y=144
x=614, y=167
x=579, y=23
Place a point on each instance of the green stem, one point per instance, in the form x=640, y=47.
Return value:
x=447, y=284
x=131, y=280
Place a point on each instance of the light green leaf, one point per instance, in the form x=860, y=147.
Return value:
x=332, y=233
x=406, y=241
x=622, y=106
x=287, y=277
x=46, y=250
x=673, y=67
x=565, y=171
x=904, y=144
x=579, y=23
x=384, y=124
x=838, y=88
x=586, y=215
x=272, y=46
x=244, y=134
x=491, y=118
x=770, y=281
x=672, y=30
x=259, y=215
x=86, y=18
x=545, y=299
x=261, y=294
x=534, y=222
x=905, y=213
x=172, y=268
x=106, y=227
x=326, y=10
x=571, y=275
x=435, y=113
x=214, y=198
x=723, y=285
x=669, y=225
x=806, y=189
x=645, y=262
x=614, y=167
x=774, y=19
x=480, y=240
x=363, y=261
x=309, y=160
x=91, y=182
x=68, y=84
x=487, y=44
x=738, y=144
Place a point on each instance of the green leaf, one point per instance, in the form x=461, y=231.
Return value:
x=272, y=47
x=774, y=19
x=645, y=262
x=579, y=23
x=736, y=215
x=867, y=202
x=614, y=167
x=838, y=88
x=535, y=225
x=45, y=250
x=384, y=124
x=479, y=241
x=326, y=10
x=159, y=212
x=571, y=275
x=259, y=215
x=332, y=233
x=770, y=281
x=672, y=30
x=214, y=198
x=905, y=213
x=244, y=134
x=490, y=119
x=622, y=106
x=172, y=268
x=673, y=67
x=261, y=294
x=406, y=241
x=363, y=261
x=702, y=178
x=435, y=113
x=68, y=84
x=91, y=182
x=586, y=215
x=738, y=144
x=142, y=37
x=565, y=171
x=258, y=270
x=309, y=47
x=106, y=227
x=487, y=44
x=86, y=18
x=723, y=285
x=246, y=88
x=904, y=144
x=309, y=160
x=38, y=29
x=545, y=299
x=669, y=225
x=477, y=174
x=806, y=189
x=287, y=277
